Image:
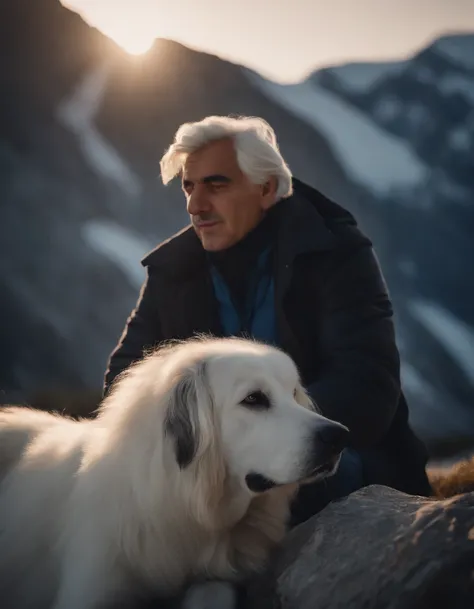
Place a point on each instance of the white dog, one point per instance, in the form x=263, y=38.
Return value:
x=185, y=475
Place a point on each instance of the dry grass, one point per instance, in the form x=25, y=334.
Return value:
x=453, y=480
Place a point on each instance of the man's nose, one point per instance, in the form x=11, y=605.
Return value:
x=197, y=202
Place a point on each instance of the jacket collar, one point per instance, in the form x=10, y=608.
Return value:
x=301, y=229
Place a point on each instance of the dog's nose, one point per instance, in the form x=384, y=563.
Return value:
x=332, y=437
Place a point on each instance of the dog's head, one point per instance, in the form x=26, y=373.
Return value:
x=237, y=409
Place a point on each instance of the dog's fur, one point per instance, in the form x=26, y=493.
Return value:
x=152, y=494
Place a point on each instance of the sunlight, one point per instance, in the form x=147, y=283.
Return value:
x=134, y=29
x=318, y=35
x=134, y=45
x=134, y=37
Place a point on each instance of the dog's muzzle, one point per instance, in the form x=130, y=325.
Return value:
x=326, y=446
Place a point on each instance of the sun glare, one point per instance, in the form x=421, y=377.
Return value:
x=134, y=46
x=133, y=26
x=134, y=39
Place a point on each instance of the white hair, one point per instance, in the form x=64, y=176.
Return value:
x=256, y=147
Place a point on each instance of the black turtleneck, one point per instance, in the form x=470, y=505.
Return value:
x=235, y=262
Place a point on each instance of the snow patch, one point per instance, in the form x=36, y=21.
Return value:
x=460, y=139
x=417, y=115
x=414, y=382
x=77, y=113
x=408, y=268
x=378, y=160
x=452, y=84
x=387, y=108
x=455, y=335
x=428, y=414
x=119, y=245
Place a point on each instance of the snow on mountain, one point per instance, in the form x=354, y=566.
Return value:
x=77, y=113
x=428, y=407
x=120, y=245
x=456, y=336
x=414, y=381
x=374, y=159
x=453, y=84
x=429, y=103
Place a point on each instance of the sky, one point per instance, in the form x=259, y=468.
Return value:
x=284, y=40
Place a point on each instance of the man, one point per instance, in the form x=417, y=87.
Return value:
x=269, y=257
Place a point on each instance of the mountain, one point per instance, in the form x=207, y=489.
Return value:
x=82, y=128
x=404, y=132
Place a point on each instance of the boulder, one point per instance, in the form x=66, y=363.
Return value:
x=376, y=549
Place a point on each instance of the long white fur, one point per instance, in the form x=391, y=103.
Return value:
x=95, y=510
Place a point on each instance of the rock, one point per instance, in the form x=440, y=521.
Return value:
x=377, y=549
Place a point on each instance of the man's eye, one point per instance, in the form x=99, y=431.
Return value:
x=256, y=399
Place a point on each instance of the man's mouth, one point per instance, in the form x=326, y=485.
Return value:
x=206, y=224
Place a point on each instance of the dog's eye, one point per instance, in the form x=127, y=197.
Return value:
x=257, y=399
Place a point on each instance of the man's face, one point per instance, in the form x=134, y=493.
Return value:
x=222, y=202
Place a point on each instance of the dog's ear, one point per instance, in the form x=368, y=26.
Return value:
x=192, y=422
x=182, y=417
x=191, y=418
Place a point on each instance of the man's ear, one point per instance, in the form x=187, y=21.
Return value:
x=269, y=189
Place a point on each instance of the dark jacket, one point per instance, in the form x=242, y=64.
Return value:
x=334, y=317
